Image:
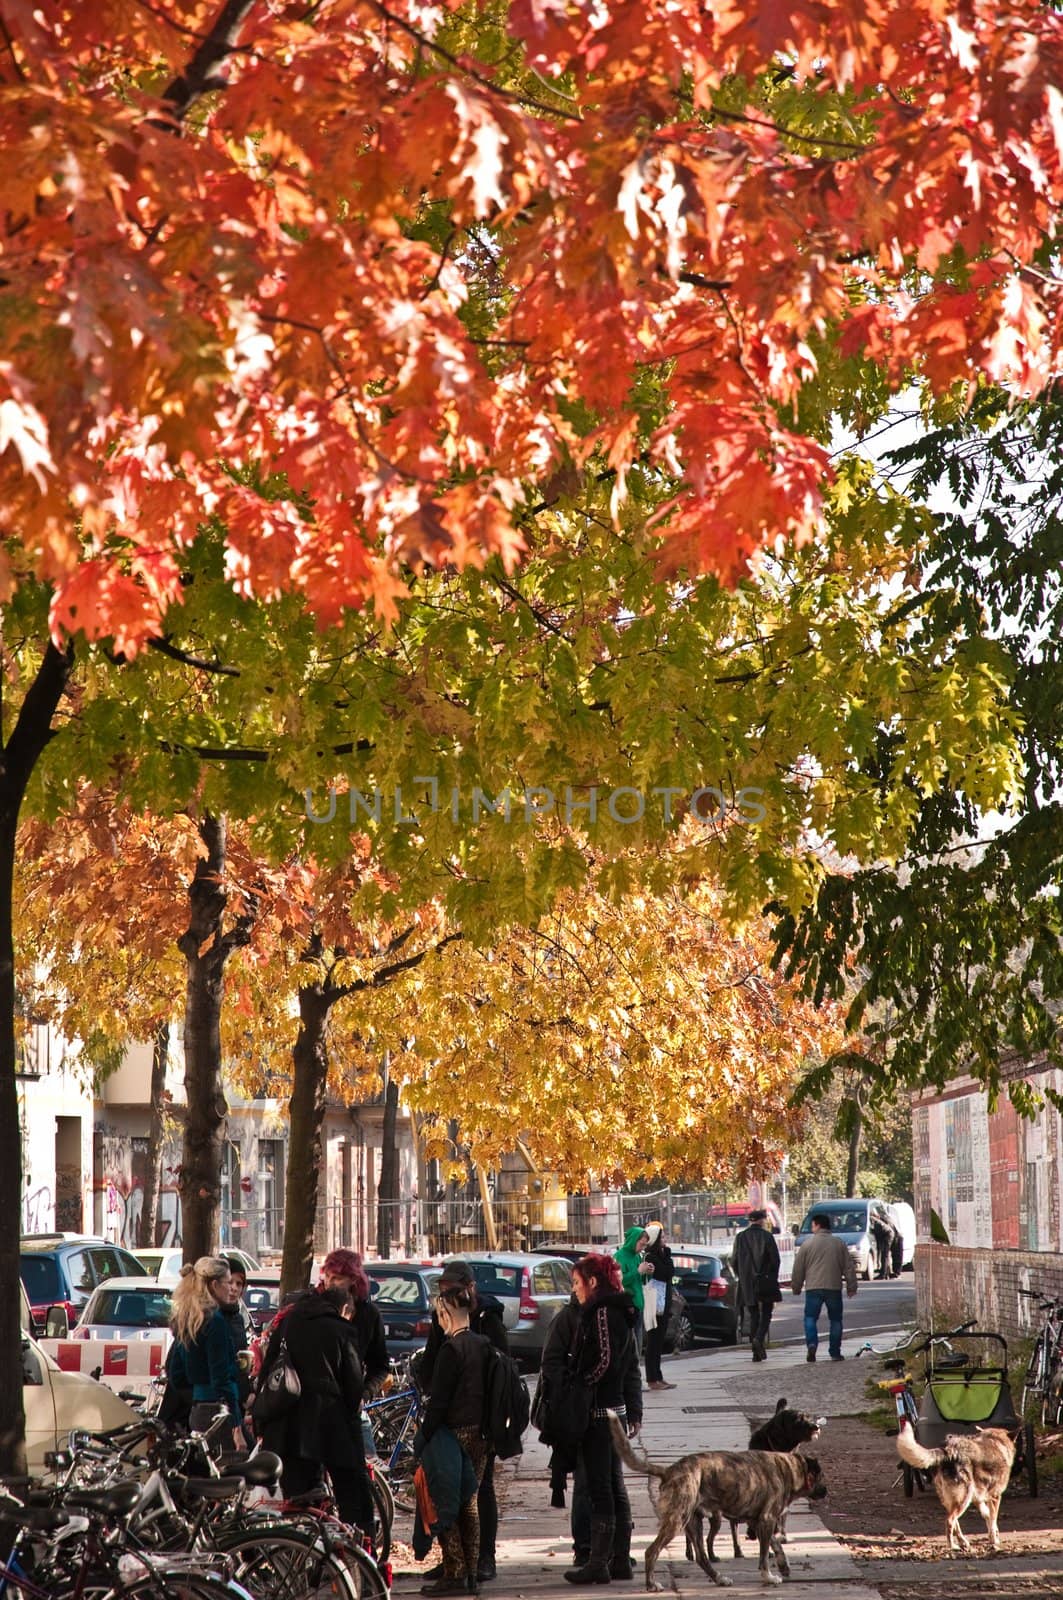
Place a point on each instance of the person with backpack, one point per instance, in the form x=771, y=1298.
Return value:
x=486, y=1317
x=455, y=1410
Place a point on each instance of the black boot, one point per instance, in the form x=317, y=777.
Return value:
x=596, y=1568
x=621, y=1566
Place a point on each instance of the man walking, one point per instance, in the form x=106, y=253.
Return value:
x=756, y=1263
x=820, y=1267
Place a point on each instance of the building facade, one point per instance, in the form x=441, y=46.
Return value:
x=995, y=1180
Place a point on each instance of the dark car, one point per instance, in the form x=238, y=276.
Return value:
x=679, y=1334
x=402, y=1292
x=709, y=1290
x=60, y=1271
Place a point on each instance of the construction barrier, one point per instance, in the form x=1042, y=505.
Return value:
x=119, y=1363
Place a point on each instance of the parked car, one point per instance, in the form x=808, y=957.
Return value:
x=58, y=1270
x=55, y=1401
x=127, y=1308
x=709, y=1290
x=532, y=1289
x=262, y=1297
x=402, y=1292
x=679, y=1334
x=164, y=1261
x=851, y=1222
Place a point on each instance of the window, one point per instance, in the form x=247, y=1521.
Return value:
x=109, y=1262
x=132, y=1308
x=398, y=1291
x=79, y=1272
x=270, y=1180
x=562, y=1277
x=496, y=1279
x=40, y=1277
x=543, y=1278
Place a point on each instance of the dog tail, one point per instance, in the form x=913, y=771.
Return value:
x=648, y=1468
x=916, y=1455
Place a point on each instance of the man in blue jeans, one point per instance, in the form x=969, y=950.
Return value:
x=821, y=1265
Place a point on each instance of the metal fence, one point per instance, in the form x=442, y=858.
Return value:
x=414, y=1229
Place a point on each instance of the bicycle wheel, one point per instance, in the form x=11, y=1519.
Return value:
x=383, y=1514
x=288, y=1564
x=180, y=1585
x=1033, y=1389
x=1029, y=1452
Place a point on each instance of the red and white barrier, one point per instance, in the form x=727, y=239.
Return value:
x=121, y=1364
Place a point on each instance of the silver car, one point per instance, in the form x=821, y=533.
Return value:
x=129, y=1309
x=532, y=1290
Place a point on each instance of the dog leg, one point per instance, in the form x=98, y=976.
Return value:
x=738, y=1551
x=766, y=1535
x=695, y=1533
x=671, y=1522
x=990, y=1511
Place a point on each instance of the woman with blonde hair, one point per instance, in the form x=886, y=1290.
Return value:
x=201, y=1328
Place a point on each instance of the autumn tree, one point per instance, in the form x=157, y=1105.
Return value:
x=575, y=252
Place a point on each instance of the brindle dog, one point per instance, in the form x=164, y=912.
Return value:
x=752, y=1486
x=782, y=1433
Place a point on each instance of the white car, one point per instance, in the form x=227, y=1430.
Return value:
x=57, y=1400
x=128, y=1309
x=165, y=1263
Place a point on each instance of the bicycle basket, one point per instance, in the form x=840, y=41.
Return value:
x=967, y=1398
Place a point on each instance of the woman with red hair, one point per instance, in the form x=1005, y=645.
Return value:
x=596, y=1372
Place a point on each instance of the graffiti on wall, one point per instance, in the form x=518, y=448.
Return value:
x=123, y=1206
x=994, y=1178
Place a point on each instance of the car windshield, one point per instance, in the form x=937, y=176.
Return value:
x=400, y=1290
x=132, y=1308
x=40, y=1278
x=261, y=1296
x=851, y=1220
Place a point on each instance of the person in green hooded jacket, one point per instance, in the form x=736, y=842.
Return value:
x=632, y=1272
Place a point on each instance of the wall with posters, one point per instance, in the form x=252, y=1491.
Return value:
x=995, y=1179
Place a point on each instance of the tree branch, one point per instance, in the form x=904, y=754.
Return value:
x=199, y=76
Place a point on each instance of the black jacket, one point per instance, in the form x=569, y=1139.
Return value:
x=322, y=1348
x=487, y=1319
x=371, y=1345
x=755, y=1258
x=561, y=1340
x=663, y=1272
x=457, y=1394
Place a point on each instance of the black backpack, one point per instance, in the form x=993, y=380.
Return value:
x=506, y=1404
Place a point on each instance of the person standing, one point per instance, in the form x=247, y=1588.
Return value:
x=633, y=1273
x=200, y=1325
x=659, y=1283
x=486, y=1317
x=323, y=1429
x=821, y=1266
x=456, y=1402
x=755, y=1259
x=343, y=1269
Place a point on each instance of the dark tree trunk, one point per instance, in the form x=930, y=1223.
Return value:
x=206, y=948
x=856, y=1128
x=388, y=1186
x=306, y=1115
x=153, y=1178
x=32, y=731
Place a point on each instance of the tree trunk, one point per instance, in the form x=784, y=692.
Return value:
x=153, y=1178
x=206, y=948
x=856, y=1128
x=388, y=1187
x=32, y=731
x=306, y=1115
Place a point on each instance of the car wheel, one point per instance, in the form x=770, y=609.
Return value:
x=731, y=1335
x=684, y=1334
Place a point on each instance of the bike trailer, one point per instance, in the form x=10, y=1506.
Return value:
x=966, y=1390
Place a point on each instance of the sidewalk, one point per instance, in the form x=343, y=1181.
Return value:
x=717, y=1392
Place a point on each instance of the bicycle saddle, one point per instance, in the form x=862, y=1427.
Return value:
x=212, y=1488
x=42, y=1519
x=263, y=1469
x=117, y=1501
x=894, y=1366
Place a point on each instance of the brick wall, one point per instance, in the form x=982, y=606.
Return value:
x=952, y=1285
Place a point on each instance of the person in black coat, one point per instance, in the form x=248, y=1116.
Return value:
x=555, y=1357
x=755, y=1259
x=323, y=1429
x=659, y=1256
x=343, y=1269
x=486, y=1319
x=599, y=1359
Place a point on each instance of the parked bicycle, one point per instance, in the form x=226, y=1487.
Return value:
x=394, y=1421
x=1042, y=1392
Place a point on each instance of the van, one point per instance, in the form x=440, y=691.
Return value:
x=56, y=1401
x=851, y=1223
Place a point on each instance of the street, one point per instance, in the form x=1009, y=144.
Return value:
x=878, y=1307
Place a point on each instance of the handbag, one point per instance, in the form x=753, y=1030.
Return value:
x=278, y=1390
x=567, y=1411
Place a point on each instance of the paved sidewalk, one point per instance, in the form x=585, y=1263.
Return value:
x=701, y=1413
